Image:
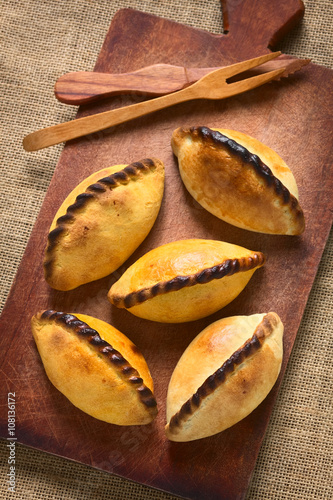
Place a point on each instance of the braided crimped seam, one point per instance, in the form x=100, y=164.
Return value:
x=220, y=376
x=218, y=139
x=226, y=268
x=129, y=374
x=122, y=177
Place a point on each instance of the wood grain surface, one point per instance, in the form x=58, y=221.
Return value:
x=291, y=116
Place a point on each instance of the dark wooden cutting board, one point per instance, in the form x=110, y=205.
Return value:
x=291, y=116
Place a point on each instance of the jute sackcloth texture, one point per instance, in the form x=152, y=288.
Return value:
x=43, y=39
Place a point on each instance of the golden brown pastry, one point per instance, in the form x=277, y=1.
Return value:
x=96, y=367
x=223, y=375
x=238, y=179
x=103, y=220
x=185, y=280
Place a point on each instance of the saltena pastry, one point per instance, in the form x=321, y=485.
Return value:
x=239, y=180
x=223, y=375
x=102, y=221
x=96, y=367
x=185, y=280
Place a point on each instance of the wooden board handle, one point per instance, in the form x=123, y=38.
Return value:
x=257, y=23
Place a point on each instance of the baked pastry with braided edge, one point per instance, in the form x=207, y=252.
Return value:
x=185, y=280
x=223, y=375
x=96, y=367
x=102, y=221
x=239, y=180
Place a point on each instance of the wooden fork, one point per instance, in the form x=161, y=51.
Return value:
x=212, y=86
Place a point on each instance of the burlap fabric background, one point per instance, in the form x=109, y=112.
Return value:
x=40, y=40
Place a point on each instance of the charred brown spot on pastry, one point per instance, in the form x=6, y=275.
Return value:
x=124, y=176
x=114, y=357
x=128, y=370
x=267, y=326
x=226, y=268
x=109, y=181
x=129, y=173
x=146, y=396
x=247, y=350
x=81, y=201
x=97, y=187
x=65, y=218
x=54, y=235
x=135, y=349
x=48, y=313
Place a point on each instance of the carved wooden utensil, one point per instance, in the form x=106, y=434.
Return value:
x=82, y=87
x=211, y=86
